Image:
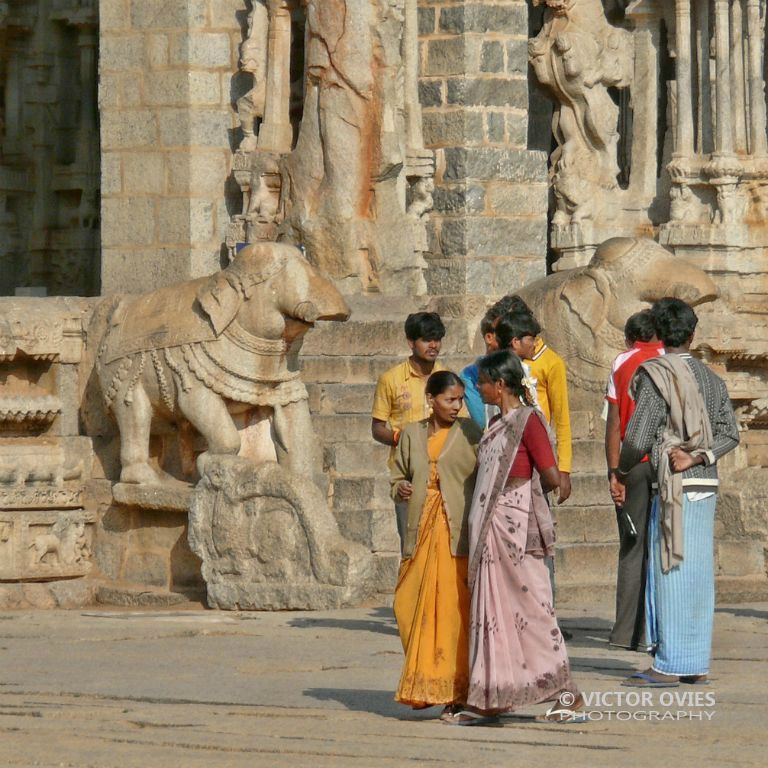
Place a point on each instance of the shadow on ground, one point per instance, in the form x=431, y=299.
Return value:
x=751, y=613
x=381, y=621
x=375, y=702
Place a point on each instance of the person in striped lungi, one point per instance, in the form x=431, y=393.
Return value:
x=684, y=419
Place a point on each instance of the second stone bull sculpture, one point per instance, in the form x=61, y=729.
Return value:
x=583, y=310
x=207, y=349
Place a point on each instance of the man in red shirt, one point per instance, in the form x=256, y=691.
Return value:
x=633, y=500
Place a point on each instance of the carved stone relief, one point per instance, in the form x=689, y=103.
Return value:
x=268, y=540
x=44, y=462
x=45, y=544
x=349, y=179
x=577, y=56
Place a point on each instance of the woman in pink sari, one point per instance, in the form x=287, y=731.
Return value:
x=517, y=653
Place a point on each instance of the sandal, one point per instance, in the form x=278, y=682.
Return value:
x=571, y=713
x=694, y=679
x=648, y=679
x=467, y=717
x=449, y=712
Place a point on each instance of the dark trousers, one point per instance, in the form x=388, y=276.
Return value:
x=629, y=629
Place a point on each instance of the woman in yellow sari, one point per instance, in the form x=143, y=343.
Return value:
x=434, y=471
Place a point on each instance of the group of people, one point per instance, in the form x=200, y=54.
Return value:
x=472, y=459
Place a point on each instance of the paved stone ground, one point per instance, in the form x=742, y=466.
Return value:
x=202, y=688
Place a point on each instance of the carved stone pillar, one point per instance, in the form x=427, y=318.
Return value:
x=757, y=137
x=684, y=125
x=411, y=67
x=705, y=122
x=276, y=133
x=724, y=123
x=738, y=100
x=645, y=97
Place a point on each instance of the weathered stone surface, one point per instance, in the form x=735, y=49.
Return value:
x=479, y=17
x=170, y=496
x=157, y=14
x=517, y=199
x=495, y=124
x=268, y=541
x=430, y=93
x=147, y=568
x=137, y=597
x=445, y=57
x=451, y=128
x=501, y=164
x=73, y=593
x=517, y=57
x=487, y=91
x=207, y=50
x=492, y=57
x=460, y=199
x=426, y=20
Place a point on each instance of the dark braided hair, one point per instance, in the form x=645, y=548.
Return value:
x=504, y=365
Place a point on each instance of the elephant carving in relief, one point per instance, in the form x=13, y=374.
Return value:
x=584, y=310
x=209, y=349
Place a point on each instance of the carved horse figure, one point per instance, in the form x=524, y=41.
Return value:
x=205, y=349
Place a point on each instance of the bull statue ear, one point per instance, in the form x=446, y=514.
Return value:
x=588, y=296
x=220, y=300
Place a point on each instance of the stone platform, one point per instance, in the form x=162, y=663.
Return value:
x=144, y=689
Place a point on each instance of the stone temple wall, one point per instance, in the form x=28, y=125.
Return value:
x=167, y=121
x=488, y=226
x=448, y=210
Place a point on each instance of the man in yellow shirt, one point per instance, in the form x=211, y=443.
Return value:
x=519, y=331
x=400, y=397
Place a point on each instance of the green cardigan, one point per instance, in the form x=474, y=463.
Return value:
x=456, y=469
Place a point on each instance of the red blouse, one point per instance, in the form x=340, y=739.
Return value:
x=534, y=451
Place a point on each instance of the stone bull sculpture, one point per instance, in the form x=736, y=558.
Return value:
x=583, y=310
x=206, y=349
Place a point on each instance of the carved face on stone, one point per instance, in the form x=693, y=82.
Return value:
x=267, y=284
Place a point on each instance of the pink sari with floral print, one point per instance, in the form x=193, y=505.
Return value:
x=517, y=655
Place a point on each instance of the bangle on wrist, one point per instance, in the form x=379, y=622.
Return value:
x=612, y=471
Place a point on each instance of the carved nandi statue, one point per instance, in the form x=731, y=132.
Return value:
x=206, y=349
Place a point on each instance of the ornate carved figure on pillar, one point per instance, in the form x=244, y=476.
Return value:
x=578, y=55
x=253, y=59
x=345, y=187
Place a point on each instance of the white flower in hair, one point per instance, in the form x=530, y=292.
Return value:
x=529, y=382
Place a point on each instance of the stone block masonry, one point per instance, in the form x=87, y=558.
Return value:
x=167, y=119
x=490, y=219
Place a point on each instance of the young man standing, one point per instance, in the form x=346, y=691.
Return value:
x=400, y=397
x=633, y=500
x=684, y=418
x=478, y=410
x=519, y=331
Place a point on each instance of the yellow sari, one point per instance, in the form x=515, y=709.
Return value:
x=432, y=606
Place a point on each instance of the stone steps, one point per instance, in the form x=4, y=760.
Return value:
x=586, y=563
x=591, y=525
